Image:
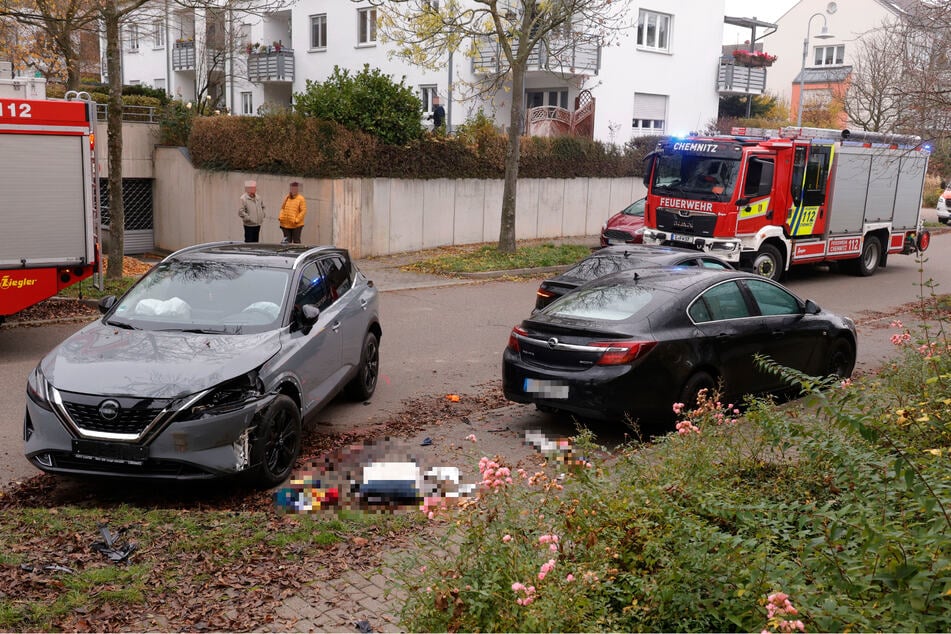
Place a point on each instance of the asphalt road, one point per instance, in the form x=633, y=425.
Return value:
x=450, y=339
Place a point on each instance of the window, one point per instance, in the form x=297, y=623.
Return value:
x=650, y=114
x=133, y=32
x=312, y=289
x=653, y=31
x=426, y=94
x=159, y=83
x=337, y=272
x=247, y=103
x=318, y=31
x=759, y=178
x=366, y=20
x=548, y=97
x=158, y=34
x=773, y=300
x=723, y=301
x=830, y=55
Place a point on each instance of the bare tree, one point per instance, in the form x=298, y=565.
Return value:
x=874, y=99
x=521, y=33
x=48, y=34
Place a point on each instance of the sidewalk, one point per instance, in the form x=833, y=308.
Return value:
x=387, y=274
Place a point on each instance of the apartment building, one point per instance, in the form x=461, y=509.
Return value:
x=658, y=77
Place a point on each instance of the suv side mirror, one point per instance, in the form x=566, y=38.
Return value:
x=308, y=316
x=106, y=304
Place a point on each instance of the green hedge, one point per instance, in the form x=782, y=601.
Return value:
x=288, y=143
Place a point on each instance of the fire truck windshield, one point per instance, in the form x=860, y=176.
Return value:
x=695, y=176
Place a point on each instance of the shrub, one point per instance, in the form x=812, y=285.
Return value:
x=368, y=101
x=932, y=190
x=832, y=516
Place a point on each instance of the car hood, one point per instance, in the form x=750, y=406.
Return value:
x=625, y=222
x=103, y=359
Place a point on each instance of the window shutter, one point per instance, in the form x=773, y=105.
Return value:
x=650, y=106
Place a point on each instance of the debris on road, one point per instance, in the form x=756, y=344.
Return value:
x=109, y=548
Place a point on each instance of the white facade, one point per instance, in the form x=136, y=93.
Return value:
x=643, y=78
x=658, y=79
x=847, y=24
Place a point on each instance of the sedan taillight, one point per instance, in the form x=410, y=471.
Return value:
x=620, y=352
x=513, y=339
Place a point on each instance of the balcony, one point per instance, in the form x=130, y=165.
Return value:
x=737, y=79
x=183, y=56
x=578, y=57
x=271, y=66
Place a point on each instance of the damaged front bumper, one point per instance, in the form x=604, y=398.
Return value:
x=213, y=445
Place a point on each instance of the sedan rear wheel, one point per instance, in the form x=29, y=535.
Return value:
x=841, y=358
x=277, y=442
x=692, y=388
x=362, y=386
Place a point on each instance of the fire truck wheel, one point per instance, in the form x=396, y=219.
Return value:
x=768, y=262
x=867, y=263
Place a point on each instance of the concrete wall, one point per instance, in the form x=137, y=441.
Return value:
x=379, y=216
x=138, y=139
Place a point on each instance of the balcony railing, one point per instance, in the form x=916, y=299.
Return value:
x=579, y=57
x=183, y=56
x=276, y=66
x=738, y=79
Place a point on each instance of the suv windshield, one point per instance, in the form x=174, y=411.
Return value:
x=695, y=176
x=204, y=296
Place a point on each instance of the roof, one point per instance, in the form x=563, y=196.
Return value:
x=823, y=75
x=274, y=255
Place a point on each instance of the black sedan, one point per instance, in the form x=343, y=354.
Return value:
x=622, y=258
x=636, y=342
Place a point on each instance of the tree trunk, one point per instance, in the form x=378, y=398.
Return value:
x=70, y=58
x=110, y=16
x=512, y=152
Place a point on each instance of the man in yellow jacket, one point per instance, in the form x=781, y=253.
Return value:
x=293, y=212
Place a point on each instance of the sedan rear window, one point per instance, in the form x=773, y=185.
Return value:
x=612, y=303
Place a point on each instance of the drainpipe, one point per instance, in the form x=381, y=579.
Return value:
x=168, y=54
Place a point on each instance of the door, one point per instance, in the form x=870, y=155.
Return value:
x=787, y=338
x=315, y=356
x=730, y=335
x=350, y=307
x=809, y=186
x=755, y=204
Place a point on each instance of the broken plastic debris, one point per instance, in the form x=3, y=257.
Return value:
x=108, y=547
x=427, y=441
x=364, y=626
x=453, y=398
x=545, y=445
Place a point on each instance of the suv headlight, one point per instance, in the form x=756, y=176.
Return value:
x=228, y=396
x=38, y=389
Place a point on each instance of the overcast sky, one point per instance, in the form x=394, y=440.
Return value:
x=766, y=10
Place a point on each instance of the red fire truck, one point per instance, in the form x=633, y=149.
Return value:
x=49, y=183
x=768, y=200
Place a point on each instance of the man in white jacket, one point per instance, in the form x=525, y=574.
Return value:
x=251, y=212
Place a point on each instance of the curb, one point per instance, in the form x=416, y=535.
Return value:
x=541, y=270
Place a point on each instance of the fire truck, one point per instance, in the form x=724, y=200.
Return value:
x=49, y=183
x=768, y=200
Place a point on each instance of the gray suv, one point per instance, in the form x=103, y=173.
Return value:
x=207, y=366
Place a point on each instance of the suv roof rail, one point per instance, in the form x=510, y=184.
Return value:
x=201, y=247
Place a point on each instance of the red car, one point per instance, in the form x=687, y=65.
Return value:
x=626, y=226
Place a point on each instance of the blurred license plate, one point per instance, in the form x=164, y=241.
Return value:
x=679, y=237
x=110, y=451
x=546, y=389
